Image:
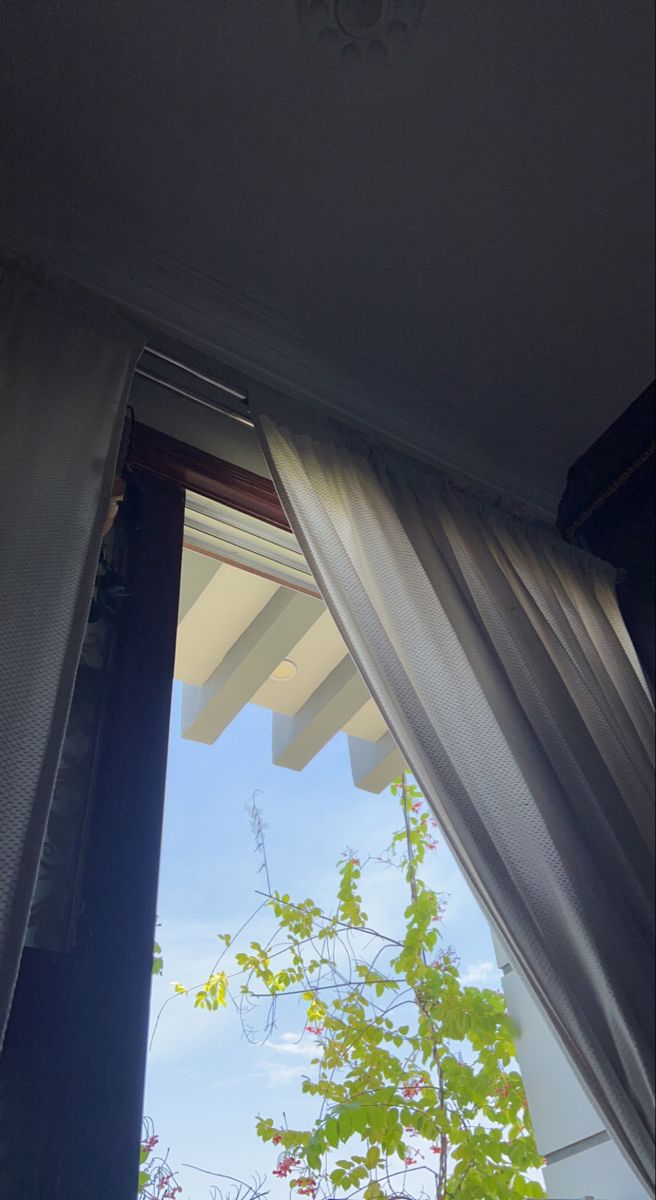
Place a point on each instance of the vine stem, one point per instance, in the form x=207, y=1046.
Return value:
x=333, y=921
x=414, y=892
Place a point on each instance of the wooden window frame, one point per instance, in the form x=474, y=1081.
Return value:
x=177, y=462
x=77, y=1038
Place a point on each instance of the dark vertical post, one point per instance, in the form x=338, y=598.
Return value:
x=72, y=1068
x=115, y=942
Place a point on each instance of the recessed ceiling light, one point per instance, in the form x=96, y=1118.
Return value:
x=284, y=671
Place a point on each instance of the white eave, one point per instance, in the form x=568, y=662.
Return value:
x=247, y=602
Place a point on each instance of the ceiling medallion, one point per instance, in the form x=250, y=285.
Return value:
x=374, y=30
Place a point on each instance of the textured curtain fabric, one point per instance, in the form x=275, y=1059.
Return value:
x=499, y=659
x=65, y=366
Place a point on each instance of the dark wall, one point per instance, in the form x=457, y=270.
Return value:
x=608, y=507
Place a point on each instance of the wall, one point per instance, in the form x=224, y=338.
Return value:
x=582, y=1161
x=198, y=426
x=608, y=507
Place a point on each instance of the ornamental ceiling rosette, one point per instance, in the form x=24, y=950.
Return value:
x=362, y=30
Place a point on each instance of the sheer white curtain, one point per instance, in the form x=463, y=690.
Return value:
x=499, y=658
x=65, y=367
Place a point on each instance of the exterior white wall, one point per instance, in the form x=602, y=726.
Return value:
x=582, y=1163
x=599, y=1172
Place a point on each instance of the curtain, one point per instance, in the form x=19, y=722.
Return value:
x=65, y=366
x=498, y=657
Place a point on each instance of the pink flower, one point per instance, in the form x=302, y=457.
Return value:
x=285, y=1166
x=413, y=1089
x=306, y=1187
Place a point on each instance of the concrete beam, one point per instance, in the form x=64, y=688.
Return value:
x=197, y=571
x=374, y=765
x=207, y=710
x=224, y=609
x=297, y=739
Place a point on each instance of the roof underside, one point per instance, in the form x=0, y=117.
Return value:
x=241, y=614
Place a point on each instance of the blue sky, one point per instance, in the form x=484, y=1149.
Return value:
x=205, y=1082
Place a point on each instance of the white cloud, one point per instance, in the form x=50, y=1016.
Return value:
x=277, y=1076
x=480, y=974
x=273, y=1073
x=304, y=1049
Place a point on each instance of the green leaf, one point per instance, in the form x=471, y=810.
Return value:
x=447, y=1070
x=313, y=1157
x=345, y=1122
x=373, y=1191
x=332, y=1132
x=372, y=1157
x=533, y=1190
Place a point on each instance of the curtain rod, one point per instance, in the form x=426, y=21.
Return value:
x=242, y=419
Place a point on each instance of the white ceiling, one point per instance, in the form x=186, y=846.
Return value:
x=458, y=245
x=239, y=620
x=235, y=629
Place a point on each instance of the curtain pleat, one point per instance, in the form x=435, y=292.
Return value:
x=65, y=367
x=499, y=659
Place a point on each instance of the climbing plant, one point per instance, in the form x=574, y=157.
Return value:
x=416, y=1090
x=157, y=1180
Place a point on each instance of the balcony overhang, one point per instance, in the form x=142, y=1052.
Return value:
x=249, y=603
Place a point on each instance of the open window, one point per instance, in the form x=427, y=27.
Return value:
x=195, y=535
x=201, y=555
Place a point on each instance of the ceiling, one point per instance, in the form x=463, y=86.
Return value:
x=253, y=629
x=454, y=243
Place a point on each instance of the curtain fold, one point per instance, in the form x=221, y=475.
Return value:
x=499, y=659
x=66, y=363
